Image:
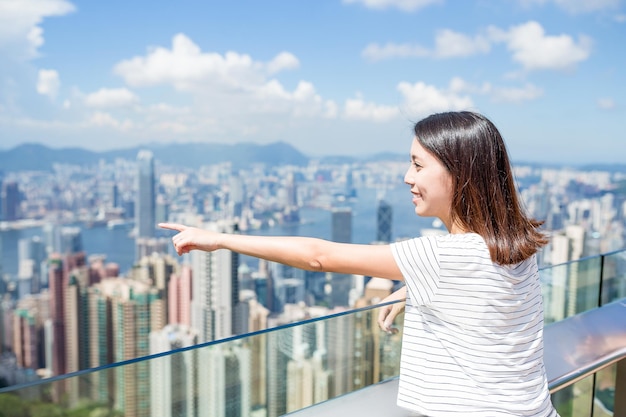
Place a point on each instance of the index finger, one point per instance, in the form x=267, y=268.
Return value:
x=173, y=226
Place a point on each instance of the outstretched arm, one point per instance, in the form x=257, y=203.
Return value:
x=301, y=252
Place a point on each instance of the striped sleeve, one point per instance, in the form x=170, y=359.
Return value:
x=419, y=263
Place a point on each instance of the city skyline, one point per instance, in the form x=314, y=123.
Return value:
x=342, y=77
x=70, y=308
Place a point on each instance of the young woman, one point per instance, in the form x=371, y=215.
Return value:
x=473, y=332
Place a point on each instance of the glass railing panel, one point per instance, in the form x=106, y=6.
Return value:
x=613, y=277
x=571, y=288
x=267, y=374
x=575, y=400
x=604, y=392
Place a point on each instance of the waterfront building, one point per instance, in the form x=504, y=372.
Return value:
x=145, y=204
x=71, y=240
x=10, y=201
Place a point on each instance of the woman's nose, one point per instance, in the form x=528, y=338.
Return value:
x=408, y=178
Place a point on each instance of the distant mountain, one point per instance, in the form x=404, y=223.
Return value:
x=193, y=155
x=614, y=168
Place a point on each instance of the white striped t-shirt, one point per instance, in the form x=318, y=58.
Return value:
x=473, y=331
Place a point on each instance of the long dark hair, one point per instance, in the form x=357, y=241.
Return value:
x=485, y=199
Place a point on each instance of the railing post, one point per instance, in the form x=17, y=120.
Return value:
x=620, y=389
x=601, y=283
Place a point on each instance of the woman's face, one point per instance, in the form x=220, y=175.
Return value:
x=431, y=185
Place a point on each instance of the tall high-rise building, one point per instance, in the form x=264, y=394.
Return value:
x=172, y=377
x=10, y=201
x=146, y=246
x=145, y=206
x=26, y=335
x=307, y=380
x=565, y=247
x=179, y=297
x=52, y=238
x=224, y=380
x=31, y=254
x=289, y=285
x=157, y=269
x=341, y=231
x=133, y=307
x=100, y=334
x=384, y=221
x=236, y=196
x=6, y=311
x=71, y=240
x=215, y=290
x=76, y=322
x=68, y=281
x=292, y=190
x=57, y=315
x=341, y=358
x=341, y=225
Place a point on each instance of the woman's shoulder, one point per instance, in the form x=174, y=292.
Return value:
x=448, y=239
x=463, y=238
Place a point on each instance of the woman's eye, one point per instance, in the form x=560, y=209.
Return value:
x=416, y=165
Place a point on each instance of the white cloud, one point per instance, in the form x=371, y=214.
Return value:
x=358, y=109
x=453, y=44
x=103, y=119
x=422, y=99
x=20, y=33
x=187, y=68
x=405, y=5
x=577, y=6
x=529, y=44
x=527, y=92
x=448, y=44
x=225, y=86
x=48, y=83
x=535, y=50
x=283, y=61
x=515, y=94
x=376, y=52
x=460, y=86
x=606, y=103
x=116, y=97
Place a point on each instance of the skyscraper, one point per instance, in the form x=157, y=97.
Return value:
x=179, y=297
x=224, y=380
x=342, y=225
x=57, y=315
x=384, y=221
x=146, y=197
x=289, y=285
x=71, y=240
x=172, y=377
x=134, y=305
x=10, y=201
x=341, y=284
x=215, y=290
x=31, y=253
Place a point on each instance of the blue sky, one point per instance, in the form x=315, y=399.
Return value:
x=327, y=76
